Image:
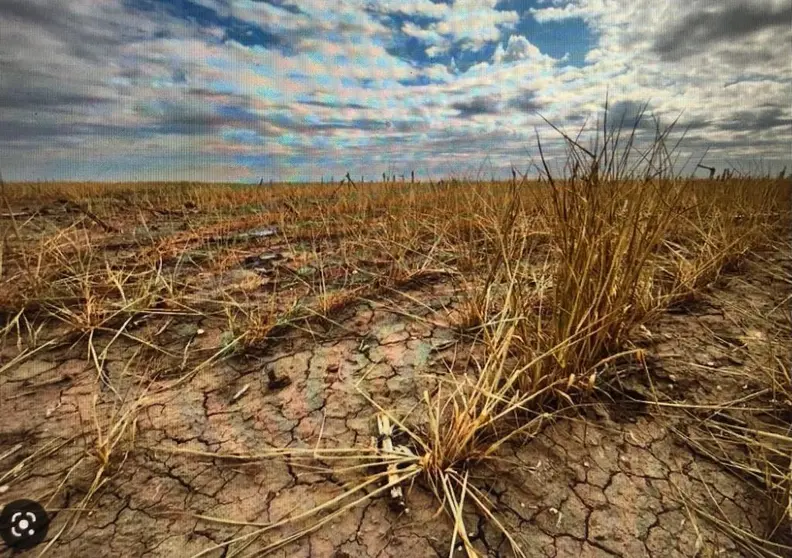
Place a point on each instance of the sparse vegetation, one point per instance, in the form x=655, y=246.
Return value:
x=547, y=282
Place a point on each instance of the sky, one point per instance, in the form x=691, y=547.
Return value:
x=238, y=90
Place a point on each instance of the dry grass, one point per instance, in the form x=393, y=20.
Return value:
x=556, y=276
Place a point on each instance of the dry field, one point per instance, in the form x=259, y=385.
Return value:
x=596, y=365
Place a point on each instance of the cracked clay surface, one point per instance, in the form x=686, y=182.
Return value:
x=613, y=481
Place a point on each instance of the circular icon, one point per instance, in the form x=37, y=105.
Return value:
x=23, y=524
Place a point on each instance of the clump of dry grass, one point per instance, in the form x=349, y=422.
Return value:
x=724, y=224
x=581, y=301
x=606, y=230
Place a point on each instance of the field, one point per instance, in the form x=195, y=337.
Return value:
x=596, y=363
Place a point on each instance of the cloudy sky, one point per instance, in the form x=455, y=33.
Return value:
x=297, y=89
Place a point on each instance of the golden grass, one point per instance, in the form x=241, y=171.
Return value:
x=556, y=275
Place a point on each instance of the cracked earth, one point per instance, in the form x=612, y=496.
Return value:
x=614, y=480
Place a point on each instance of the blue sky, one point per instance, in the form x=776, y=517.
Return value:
x=287, y=90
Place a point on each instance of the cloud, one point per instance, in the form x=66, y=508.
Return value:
x=525, y=102
x=477, y=106
x=429, y=36
x=757, y=120
x=27, y=132
x=327, y=104
x=476, y=22
x=469, y=24
x=723, y=21
x=518, y=48
x=553, y=13
x=229, y=86
x=424, y=8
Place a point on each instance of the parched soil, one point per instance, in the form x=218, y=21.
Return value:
x=627, y=474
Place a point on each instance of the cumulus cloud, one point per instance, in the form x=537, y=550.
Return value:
x=518, y=48
x=425, y=8
x=430, y=36
x=554, y=13
x=201, y=88
x=468, y=23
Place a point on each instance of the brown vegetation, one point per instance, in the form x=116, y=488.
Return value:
x=555, y=284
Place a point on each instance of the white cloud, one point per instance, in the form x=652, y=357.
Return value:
x=476, y=22
x=428, y=36
x=435, y=50
x=543, y=15
x=473, y=23
x=518, y=48
x=425, y=8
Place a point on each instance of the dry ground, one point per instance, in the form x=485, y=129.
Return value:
x=148, y=342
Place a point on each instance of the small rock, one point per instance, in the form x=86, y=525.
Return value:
x=274, y=382
x=279, y=383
